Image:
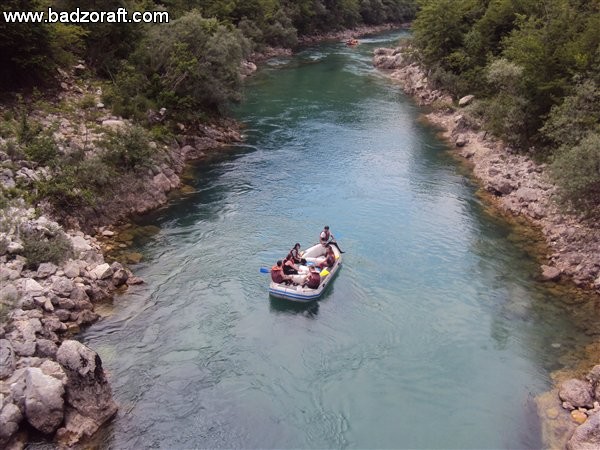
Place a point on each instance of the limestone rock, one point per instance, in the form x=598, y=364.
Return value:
x=86, y=317
x=62, y=287
x=72, y=269
x=46, y=348
x=500, y=186
x=594, y=375
x=162, y=182
x=8, y=293
x=586, y=436
x=80, y=245
x=527, y=195
x=466, y=100
x=461, y=140
x=8, y=274
x=102, y=271
x=23, y=336
x=15, y=248
x=44, y=404
x=10, y=418
x=87, y=388
x=577, y=392
x=120, y=277
x=7, y=359
x=550, y=273
x=33, y=288
x=114, y=124
x=45, y=270
x=78, y=295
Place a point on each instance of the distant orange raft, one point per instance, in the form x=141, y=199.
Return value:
x=352, y=42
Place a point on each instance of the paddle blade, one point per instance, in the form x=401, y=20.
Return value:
x=264, y=270
x=324, y=272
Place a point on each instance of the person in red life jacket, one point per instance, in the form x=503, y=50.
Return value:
x=326, y=237
x=329, y=258
x=313, y=279
x=277, y=274
x=289, y=268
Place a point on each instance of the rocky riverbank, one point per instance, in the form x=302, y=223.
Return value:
x=522, y=188
x=48, y=381
x=519, y=185
x=50, y=384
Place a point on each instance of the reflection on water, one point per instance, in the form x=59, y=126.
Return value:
x=436, y=334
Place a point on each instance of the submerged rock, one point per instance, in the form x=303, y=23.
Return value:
x=586, y=436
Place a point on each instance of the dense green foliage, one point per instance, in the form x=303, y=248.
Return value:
x=29, y=53
x=39, y=247
x=536, y=68
x=189, y=65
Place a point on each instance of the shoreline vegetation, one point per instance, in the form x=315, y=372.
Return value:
x=520, y=187
x=96, y=125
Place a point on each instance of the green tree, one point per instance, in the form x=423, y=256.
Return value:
x=188, y=66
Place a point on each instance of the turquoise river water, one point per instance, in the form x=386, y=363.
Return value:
x=435, y=333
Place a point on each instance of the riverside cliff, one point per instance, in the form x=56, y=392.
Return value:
x=520, y=187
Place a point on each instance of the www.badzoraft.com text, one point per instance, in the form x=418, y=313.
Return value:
x=78, y=16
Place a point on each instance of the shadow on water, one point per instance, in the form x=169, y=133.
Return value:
x=282, y=306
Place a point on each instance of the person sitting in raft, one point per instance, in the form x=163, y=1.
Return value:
x=289, y=268
x=295, y=252
x=313, y=279
x=277, y=274
x=326, y=237
x=329, y=258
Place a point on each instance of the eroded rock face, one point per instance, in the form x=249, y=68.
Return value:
x=577, y=392
x=87, y=389
x=586, y=436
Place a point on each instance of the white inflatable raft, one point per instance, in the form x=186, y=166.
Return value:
x=313, y=255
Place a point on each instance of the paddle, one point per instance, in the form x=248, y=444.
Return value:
x=324, y=272
x=264, y=270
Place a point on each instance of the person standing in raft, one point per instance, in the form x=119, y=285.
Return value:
x=326, y=237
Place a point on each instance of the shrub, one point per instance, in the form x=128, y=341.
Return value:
x=65, y=191
x=127, y=149
x=577, y=116
x=577, y=171
x=42, y=149
x=189, y=65
x=39, y=248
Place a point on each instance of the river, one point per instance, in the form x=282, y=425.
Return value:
x=435, y=333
